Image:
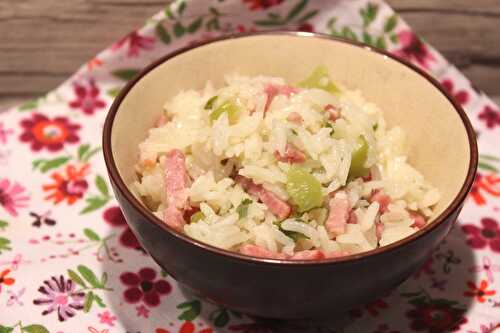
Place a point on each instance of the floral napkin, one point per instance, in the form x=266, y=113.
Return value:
x=70, y=264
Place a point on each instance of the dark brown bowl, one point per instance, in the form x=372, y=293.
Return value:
x=441, y=145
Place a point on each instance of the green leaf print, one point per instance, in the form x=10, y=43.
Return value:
x=195, y=25
x=163, y=34
x=308, y=16
x=82, y=150
x=89, y=276
x=179, y=29
x=380, y=43
x=87, y=304
x=489, y=157
x=367, y=38
x=76, y=278
x=3, y=225
x=91, y=234
x=101, y=185
x=5, y=329
x=35, y=329
x=28, y=106
x=349, y=33
x=113, y=92
x=181, y=8
x=94, y=203
x=394, y=38
x=4, y=245
x=191, y=310
x=99, y=301
x=46, y=165
x=104, y=278
x=88, y=154
x=369, y=13
x=391, y=23
x=268, y=23
x=296, y=10
x=219, y=317
x=487, y=167
x=125, y=73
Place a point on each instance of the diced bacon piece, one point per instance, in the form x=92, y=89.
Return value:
x=383, y=200
x=336, y=254
x=272, y=91
x=292, y=155
x=339, y=209
x=308, y=255
x=260, y=252
x=295, y=118
x=277, y=206
x=353, y=218
x=190, y=211
x=162, y=120
x=379, y=229
x=173, y=217
x=176, y=179
x=333, y=112
x=418, y=220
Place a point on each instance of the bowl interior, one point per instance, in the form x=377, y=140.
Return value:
x=437, y=139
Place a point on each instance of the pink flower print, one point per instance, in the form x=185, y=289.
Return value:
x=3, y=133
x=106, y=318
x=87, y=98
x=413, y=49
x=142, y=311
x=135, y=43
x=14, y=262
x=461, y=96
x=144, y=286
x=59, y=295
x=486, y=267
x=12, y=196
x=490, y=116
x=15, y=297
x=488, y=235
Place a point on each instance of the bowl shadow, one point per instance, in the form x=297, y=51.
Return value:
x=439, y=285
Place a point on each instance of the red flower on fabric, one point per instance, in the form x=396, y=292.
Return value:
x=488, y=235
x=42, y=132
x=135, y=43
x=426, y=268
x=70, y=185
x=373, y=308
x=187, y=327
x=461, y=96
x=143, y=286
x=436, y=316
x=4, y=279
x=12, y=196
x=307, y=27
x=87, y=98
x=480, y=292
x=261, y=4
x=114, y=217
x=413, y=49
x=489, y=184
x=490, y=116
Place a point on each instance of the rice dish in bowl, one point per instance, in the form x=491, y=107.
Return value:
x=276, y=170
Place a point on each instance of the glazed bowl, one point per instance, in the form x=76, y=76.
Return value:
x=441, y=144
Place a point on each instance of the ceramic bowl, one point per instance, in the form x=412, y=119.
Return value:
x=441, y=145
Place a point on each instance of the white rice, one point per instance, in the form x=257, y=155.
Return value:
x=217, y=150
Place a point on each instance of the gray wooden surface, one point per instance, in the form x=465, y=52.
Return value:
x=43, y=41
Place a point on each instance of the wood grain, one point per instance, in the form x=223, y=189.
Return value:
x=43, y=42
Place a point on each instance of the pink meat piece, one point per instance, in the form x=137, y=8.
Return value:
x=162, y=120
x=379, y=229
x=336, y=254
x=294, y=117
x=383, y=200
x=338, y=215
x=418, y=220
x=260, y=252
x=176, y=179
x=353, y=218
x=273, y=90
x=308, y=255
x=333, y=112
x=277, y=206
x=292, y=155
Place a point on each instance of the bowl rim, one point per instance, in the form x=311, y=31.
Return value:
x=115, y=177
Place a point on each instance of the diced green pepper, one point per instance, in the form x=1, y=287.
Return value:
x=196, y=217
x=304, y=189
x=210, y=103
x=292, y=234
x=320, y=79
x=358, y=159
x=242, y=209
x=228, y=107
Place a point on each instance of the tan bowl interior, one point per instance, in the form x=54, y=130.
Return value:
x=437, y=139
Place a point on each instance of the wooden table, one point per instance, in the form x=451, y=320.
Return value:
x=43, y=42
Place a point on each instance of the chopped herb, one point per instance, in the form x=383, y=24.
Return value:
x=328, y=125
x=320, y=79
x=228, y=107
x=196, y=217
x=242, y=209
x=210, y=103
x=294, y=132
x=375, y=127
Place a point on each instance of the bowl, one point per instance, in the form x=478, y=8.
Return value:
x=441, y=145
